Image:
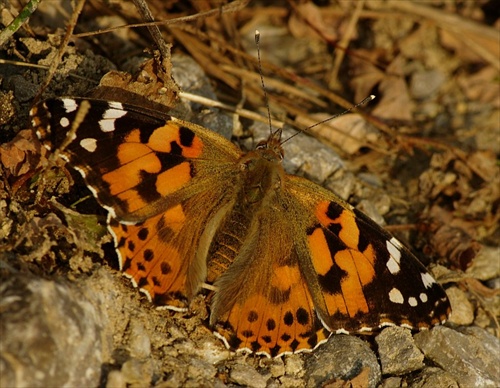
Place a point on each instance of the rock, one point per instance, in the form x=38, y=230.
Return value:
x=139, y=343
x=247, y=376
x=433, y=377
x=426, y=83
x=391, y=382
x=471, y=357
x=137, y=373
x=397, y=351
x=51, y=335
x=294, y=365
x=462, y=311
x=276, y=366
x=115, y=379
x=200, y=369
x=343, y=358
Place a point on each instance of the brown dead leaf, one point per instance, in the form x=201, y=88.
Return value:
x=395, y=102
x=21, y=154
x=451, y=238
x=482, y=86
x=348, y=132
x=366, y=76
x=313, y=16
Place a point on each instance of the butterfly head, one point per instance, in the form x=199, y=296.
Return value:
x=271, y=148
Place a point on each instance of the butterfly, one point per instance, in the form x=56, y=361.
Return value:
x=290, y=262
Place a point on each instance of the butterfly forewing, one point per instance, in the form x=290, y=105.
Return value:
x=132, y=159
x=367, y=278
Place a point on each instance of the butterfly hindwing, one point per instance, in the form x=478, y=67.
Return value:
x=263, y=303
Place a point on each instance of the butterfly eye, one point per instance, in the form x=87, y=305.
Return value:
x=262, y=145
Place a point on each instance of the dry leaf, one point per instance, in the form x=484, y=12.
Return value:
x=348, y=132
x=395, y=102
x=20, y=155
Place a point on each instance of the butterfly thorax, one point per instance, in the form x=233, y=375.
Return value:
x=261, y=186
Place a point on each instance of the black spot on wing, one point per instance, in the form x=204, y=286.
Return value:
x=302, y=316
x=271, y=324
x=330, y=281
x=288, y=318
x=148, y=254
x=186, y=136
x=252, y=316
x=334, y=210
x=147, y=189
x=143, y=234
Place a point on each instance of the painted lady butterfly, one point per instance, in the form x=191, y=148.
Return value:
x=290, y=261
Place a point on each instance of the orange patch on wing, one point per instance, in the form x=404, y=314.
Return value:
x=127, y=176
x=133, y=200
x=175, y=218
x=335, y=303
x=130, y=152
x=164, y=255
x=351, y=284
x=349, y=232
x=162, y=137
x=370, y=257
x=321, y=255
x=321, y=211
x=285, y=277
x=173, y=179
x=133, y=136
x=195, y=150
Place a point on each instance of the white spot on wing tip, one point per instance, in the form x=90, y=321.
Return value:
x=107, y=125
x=116, y=105
x=82, y=173
x=89, y=144
x=395, y=296
x=394, y=248
x=428, y=280
x=64, y=122
x=412, y=301
x=69, y=104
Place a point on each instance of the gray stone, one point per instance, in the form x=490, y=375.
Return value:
x=50, y=335
x=139, y=343
x=344, y=358
x=397, y=351
x=391, y=382
x=294, y=365
x=247, y=376
x=433, y=378
x=462, y=311
x=471, y=357
x=276, y=366
x=425, y=83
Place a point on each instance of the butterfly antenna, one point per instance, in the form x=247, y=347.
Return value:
x=366, y=100
x=257, y=41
